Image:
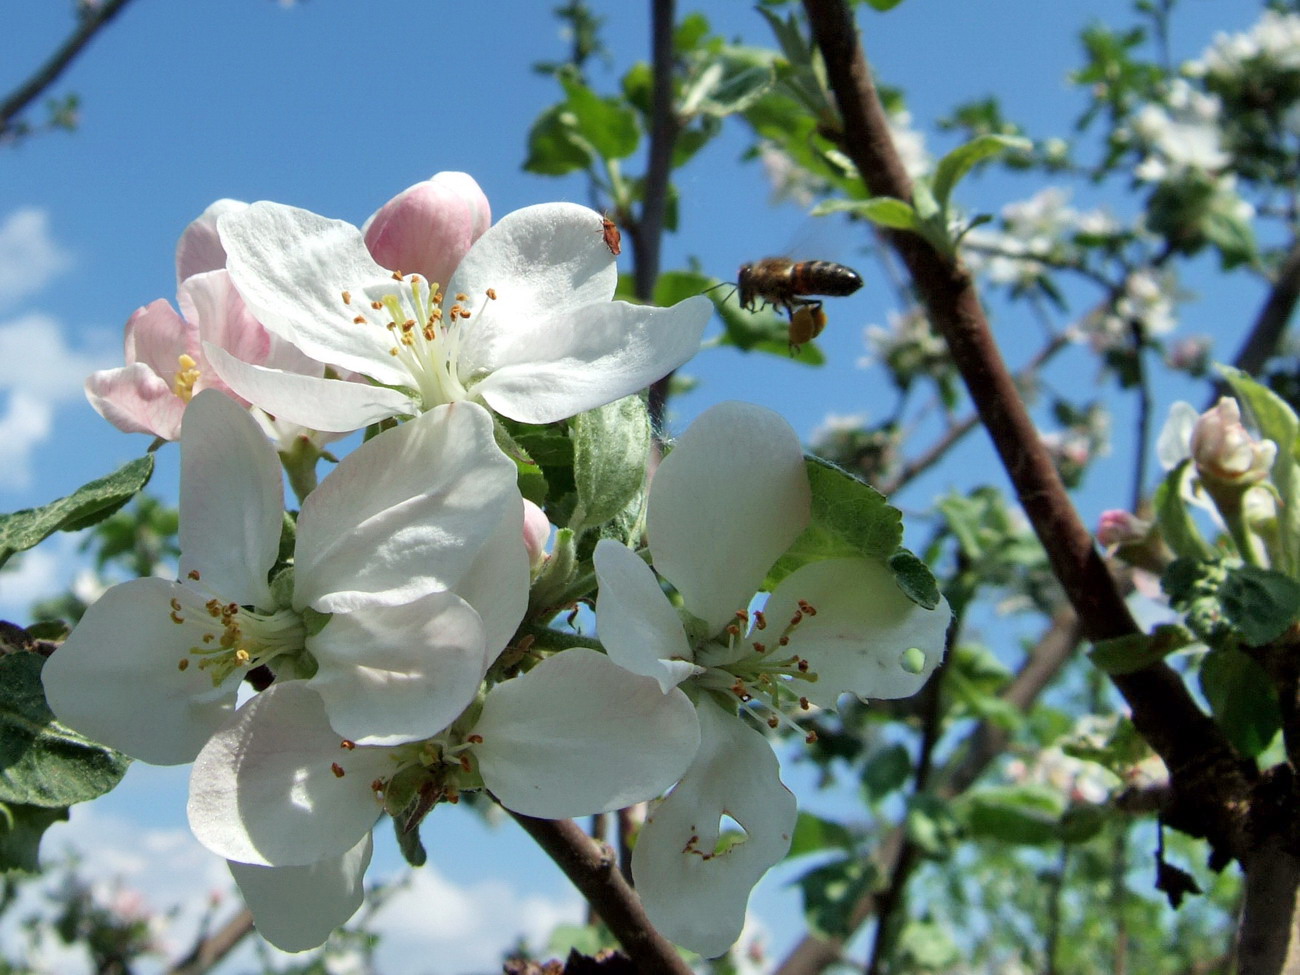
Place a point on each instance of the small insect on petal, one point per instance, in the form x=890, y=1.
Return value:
x=613, y=238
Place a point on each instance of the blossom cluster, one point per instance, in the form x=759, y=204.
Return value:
x=376, y=653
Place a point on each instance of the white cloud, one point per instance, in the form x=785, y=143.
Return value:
x=38, y=573
x=36, y=359
x=40, y=372
x=435, y=927
x=29, y=257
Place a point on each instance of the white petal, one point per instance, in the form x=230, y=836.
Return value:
x=730, y=498
x=579, y=735
x=267, y=788
x=390, y=674
x=638, y=626
x=694, y=896
x=496, y=582
x=419, y=527
x=546, y=368
x=1175, y=441
x=863, y=628
x=331, y=405
x=117, y=678
x=296, y=908
x=232, y=500
x=539, y=261
x=292, y=268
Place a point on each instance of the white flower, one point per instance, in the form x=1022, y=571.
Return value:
x=405, y=587
x=724, y=505
x=525, y=325
x=576, y=735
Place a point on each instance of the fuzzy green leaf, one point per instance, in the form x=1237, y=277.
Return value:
x=42, y=762
x=82, y=508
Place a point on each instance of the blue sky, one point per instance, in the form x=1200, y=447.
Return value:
x=336, y=106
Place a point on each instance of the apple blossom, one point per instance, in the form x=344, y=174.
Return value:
x=166, y=361
x=404, y=588
x=724, y=505
x=524, y=325
x=576, y=735
x=1224, y=450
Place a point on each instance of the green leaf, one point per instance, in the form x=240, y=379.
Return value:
x=607, y=125
x=1276, y=421
x=1260, y=603
x=1242, y=699
x=956, y=164
x=1082, y=822
x=43, y=763
x=883, y=211
x=82, y=508
x=915, y=579
x=731, y=81
x=1176, y=525
x=554, y=146
x=1022, y=814
x=1127, y=654
x=610, y=446
x=21, y=829
x=831, y=891
x=812, y=834
x=931, y=825
x=926, y=946
x=883, y=5
x=850, y=519
x=887, y=770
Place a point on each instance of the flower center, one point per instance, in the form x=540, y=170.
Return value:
x=748, y=662
x=236, y=638
x=187, y=374
x=426, y=337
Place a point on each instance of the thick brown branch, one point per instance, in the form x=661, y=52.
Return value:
x=594, y=871
x=647, y=232
x=1163, y=710
x=91, y=23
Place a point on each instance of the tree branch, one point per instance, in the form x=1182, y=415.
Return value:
x=209, y=952
x=594, y=871
x=1265, y=335
x=91, y=23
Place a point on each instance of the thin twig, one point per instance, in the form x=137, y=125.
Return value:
x=210, y=951
x=92, y=21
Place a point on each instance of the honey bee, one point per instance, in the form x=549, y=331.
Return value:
x=783, y=283
x=613, y=238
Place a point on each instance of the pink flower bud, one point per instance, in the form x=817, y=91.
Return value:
x=427, y=228
x=537, y=532
x=1224, y=450
x=1117, y=527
